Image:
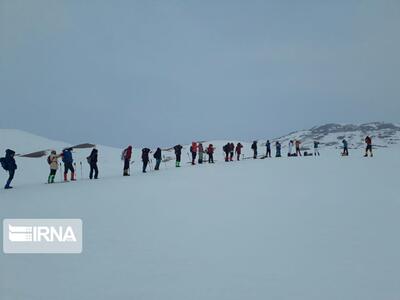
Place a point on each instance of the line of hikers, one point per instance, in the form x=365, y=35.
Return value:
x=196, y=149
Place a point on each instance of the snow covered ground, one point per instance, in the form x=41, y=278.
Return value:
x=288, y=228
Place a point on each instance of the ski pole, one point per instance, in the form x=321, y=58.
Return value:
x=61, y=172
x=81, y=170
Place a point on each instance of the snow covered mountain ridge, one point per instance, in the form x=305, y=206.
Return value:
x=331, y=135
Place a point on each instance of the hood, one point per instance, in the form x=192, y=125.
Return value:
x=10, y=152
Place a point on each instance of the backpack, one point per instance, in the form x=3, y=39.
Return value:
x=89, y=159
x=4, y=163
x=49, y=160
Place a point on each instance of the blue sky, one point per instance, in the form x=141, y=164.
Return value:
x=166, y=72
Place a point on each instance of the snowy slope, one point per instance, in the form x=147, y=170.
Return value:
x=288, y=228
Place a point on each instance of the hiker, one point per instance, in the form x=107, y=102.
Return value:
x=68, y=161
x=201, y=153
x=254, y=148
x=226, y=149
x=178, y=154
x=52, y=160
x=145, y=158
x=210, y=152
x=8, y=163
x=368, y=141
x=157, y=156
x=345, y=148
x=126, y=157
x=231, y=151
x=298, y=152
x=193, y=150
x=316, y=144
x=290, y=147
x=92, y=160
x=268, y=146
x=278, y=149
x=238, y=150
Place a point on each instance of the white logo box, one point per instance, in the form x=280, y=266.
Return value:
x=42, y=236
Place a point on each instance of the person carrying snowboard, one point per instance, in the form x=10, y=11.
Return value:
x=238, y=150
x=92, y=160
x=157, y=156
x=126, y=157
x=145, y=158
x=254, y=148
x=193, y=151
x=277, y=149
x=345, y=148
x=316, y=151
x=68, y=161
x=298, y=152
x=268, y=146
x=226, y=151
x=201, y=153
x=368, y=141
x=8, y=163
x=178, y=154
x=210, y=152
x=52, y=160
x=290, y=147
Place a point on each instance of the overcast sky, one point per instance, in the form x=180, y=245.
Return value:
x=166, y=72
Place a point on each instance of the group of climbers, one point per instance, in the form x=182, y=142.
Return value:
x=197, y=150
x=68, y=161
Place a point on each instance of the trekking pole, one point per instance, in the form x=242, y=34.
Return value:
x=75, y=169
x=165, y=163
x=61, y=172
x=81, y=170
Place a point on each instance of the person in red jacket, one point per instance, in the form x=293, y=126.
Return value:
x=126, y=157
x=210, y=152
x=238, y=150
x=193, y=150
x=368, y=141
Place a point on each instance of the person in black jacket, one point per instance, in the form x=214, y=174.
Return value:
x=226, y=149
x=145, y=158
x=92, y=160
x=268, y=145
x=157, y=156
x=178, y=153
x=10, y=165
x=231, y=151
x=254, y=148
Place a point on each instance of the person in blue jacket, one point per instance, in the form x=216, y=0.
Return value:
x=345, y=148
x=68, y=163
x=278, y=149
x=10, y=166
